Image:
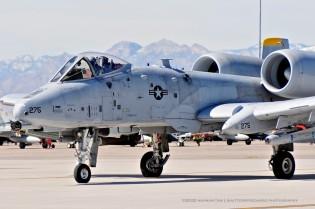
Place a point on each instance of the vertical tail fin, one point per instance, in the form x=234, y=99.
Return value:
x=273, y=44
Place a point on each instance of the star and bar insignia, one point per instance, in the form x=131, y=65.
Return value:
x=158, y=92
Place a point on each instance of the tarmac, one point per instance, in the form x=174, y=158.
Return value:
x=213, y=175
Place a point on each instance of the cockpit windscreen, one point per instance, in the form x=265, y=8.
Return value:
x=81, y=70
x=63, y=69
x=89, y=65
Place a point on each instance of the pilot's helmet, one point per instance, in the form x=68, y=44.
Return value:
x=105, y=59
x=93, y=60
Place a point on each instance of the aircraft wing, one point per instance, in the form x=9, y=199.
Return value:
x=4, y=127
x=251, y=118
x=273, y=110
x=7, y=103
x=11, y=99
x=5, y=114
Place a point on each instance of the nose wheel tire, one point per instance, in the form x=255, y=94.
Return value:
x=283, y=165
x=149, y=166
x=82, y=173
x=229, y=142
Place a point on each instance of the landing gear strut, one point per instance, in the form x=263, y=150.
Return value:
x=152, y=162
x=86, y=150
x=283, y=164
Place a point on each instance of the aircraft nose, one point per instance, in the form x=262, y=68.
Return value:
x=19, y=111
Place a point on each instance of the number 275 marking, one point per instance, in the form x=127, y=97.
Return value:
x=245, y=125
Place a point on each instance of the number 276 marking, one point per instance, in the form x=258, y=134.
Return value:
x=35, y=110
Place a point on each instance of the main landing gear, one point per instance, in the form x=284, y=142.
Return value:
x=282, y=161
x=152, y=162
x=86, y=150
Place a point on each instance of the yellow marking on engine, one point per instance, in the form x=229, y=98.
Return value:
x=272, y=41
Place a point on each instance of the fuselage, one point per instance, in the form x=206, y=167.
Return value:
x=142, y=97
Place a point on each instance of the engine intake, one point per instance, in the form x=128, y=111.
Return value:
x=289, y=73
x=228, y=64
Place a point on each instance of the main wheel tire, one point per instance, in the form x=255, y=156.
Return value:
x=229, y=142
x=22, y=145
x=283, y=165
x=1, y=143
x=248, y=142
x=147, y=166
x=82, y=173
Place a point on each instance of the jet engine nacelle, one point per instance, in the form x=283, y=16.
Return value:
x=289, y=73
x=228, y=64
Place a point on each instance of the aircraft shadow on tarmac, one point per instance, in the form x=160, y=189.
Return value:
x=179, y=178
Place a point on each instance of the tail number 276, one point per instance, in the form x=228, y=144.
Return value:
x=35, y=110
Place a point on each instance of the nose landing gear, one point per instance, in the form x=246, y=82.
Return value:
x=86, y=150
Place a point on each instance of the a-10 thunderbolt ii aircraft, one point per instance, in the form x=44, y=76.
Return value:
x=227, y=93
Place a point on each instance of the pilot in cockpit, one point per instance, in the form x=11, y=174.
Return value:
x=106, y=64
x=89, y=66
x=86, y=73
x=97, y=67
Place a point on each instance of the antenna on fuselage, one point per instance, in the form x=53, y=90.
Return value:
x=166, y=63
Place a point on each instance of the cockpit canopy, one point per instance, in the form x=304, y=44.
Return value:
x=88, y=65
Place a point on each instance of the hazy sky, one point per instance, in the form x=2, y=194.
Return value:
x=39, y=27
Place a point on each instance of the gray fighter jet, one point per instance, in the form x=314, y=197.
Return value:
x=230, y=94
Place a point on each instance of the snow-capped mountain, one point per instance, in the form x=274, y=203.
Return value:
x=26, y=73
x=124, y=49
x=183, y=55
x=253, y=50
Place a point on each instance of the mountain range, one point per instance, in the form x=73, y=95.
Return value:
x=26, y=73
